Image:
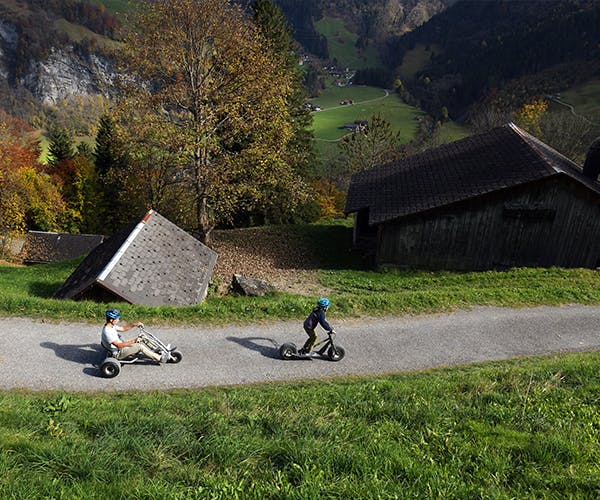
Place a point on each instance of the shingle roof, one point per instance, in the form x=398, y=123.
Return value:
x=41, y=246
x=501, y=158
x=149, y=262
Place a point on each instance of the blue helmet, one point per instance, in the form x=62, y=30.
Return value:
x=113, y=314
x=323, y=302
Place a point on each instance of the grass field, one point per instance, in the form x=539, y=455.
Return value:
x=416, y=59
x=118, y=7
x=77, y=32
x=585, y=99
x=452, y=131
x=368, y=102
x=527, y=428
x=342, y=45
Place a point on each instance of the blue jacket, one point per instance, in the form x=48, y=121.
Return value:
x=317, y=317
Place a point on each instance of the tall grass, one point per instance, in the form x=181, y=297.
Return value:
x=522, y=429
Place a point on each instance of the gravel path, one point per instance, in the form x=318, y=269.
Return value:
x=42, y=356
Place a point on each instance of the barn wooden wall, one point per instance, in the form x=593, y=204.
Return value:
x=552, y=222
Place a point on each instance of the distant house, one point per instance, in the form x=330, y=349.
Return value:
x=356, y=125
x=345, y=102
x=491, y=201
x=150, y=262
x=42, y=247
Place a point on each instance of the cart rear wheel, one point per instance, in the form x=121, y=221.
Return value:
x=335, y=353
x=287, y=351
x=110, y=368
x=175, y=357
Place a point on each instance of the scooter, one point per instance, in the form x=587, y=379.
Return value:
x=111, y=366
x=328, y=350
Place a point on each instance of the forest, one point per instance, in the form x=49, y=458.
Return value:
x=219, y=136
x=485, y=48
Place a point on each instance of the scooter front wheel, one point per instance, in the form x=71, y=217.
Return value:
x=335, y=353
x=288, y=351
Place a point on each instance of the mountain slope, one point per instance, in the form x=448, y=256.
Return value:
x=482, y=47
x=51, y=49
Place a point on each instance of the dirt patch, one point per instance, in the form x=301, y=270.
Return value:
x=269, y=254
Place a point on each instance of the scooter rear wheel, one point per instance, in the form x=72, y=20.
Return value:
x=288, y=351
x=335, y=353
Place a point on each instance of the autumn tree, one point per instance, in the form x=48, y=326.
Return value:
x=28, y=197
x=529, y=116
x=216, y=102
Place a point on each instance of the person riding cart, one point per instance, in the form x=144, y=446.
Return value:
x=121, y=349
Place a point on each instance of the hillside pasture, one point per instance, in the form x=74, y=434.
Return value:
x=585, y=99
x=78, y=32
x=120, y=8
x=416, y=59
x=367, y=102
x=342, y=45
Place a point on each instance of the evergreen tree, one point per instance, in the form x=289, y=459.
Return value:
x=61, y=145
x=106, y=153
x=110, y=165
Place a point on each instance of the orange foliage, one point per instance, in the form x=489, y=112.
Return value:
x=28, y=198
x=329, y=198
x=530, y=115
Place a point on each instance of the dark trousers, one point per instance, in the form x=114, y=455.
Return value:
x=312, y=339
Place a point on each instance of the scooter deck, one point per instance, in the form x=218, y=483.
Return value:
x=310, y=355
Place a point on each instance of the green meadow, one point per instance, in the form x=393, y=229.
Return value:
x=342, y=45
x=356, y=291
x=416, y=59
x=328, y=124
x=585, y=99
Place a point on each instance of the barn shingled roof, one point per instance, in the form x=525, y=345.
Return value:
x=504, y=157
x=149, y=262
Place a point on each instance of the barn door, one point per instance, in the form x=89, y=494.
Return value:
x=525, y=234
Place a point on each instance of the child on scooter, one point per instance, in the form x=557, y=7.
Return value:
x=316, y=317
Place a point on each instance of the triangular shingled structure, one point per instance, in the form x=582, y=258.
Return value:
x=151, y=262
x=502, y=158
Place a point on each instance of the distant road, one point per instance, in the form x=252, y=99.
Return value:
x=572, y=109
x=49, y=356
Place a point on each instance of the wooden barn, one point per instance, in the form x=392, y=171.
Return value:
x=496, y=200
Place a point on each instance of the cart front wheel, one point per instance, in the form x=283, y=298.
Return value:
x=175, y=357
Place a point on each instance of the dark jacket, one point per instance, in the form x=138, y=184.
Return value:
x=317, y=317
